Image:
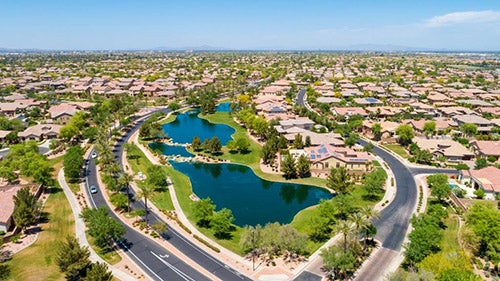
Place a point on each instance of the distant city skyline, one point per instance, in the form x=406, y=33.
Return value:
x=250, y=25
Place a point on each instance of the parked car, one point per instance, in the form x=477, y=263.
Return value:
x=93, y=189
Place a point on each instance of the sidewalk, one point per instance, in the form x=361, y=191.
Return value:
x=80, y=230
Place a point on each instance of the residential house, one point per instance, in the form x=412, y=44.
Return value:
x=483, y=125
x=61, y=113
x=488, y=179
x=486, y=148
x=7, y=194
x=40, y=132
x=453, y=151
x=325, y=157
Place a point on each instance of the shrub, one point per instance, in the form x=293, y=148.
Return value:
x=206, y=243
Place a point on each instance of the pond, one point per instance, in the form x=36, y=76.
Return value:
x=170, y=149
x=251, y=199
x=236, y=187
x=187, y=125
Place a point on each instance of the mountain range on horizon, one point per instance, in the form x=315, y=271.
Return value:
x=352, y=48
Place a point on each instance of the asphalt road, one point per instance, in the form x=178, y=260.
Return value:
x=300, y=97
x=152, y=258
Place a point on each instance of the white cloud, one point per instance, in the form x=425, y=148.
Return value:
x=463, y=18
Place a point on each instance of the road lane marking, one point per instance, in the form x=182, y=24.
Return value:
x=173, y=268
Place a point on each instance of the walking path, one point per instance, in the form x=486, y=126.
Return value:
x=80, y=230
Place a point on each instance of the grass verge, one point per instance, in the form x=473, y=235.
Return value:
x=110, y=257
x=398, y=149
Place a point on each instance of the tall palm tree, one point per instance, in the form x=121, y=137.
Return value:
x=124, y=181
x=145, y=192
x=369, y=214
x=345, y=228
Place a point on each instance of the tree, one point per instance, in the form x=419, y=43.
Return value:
x=72, y=259
x=174, y=106
x=243, y=144
x=25, y=208
x=159, y=227
x=251, y=241
x=462, y=166
x=119, y=200
x=288, y=167
x=337, y=263
x=303, y=166
x=221, y=222
x=214, y=145
x=480, y=163
x=454, y=274
x=73, y=162
x=429, y=128
x=345, y=228
x=102, y=227
x=98, y=272
x=7, y=173
x=203, y=211
x=340, y=180
x=483, y=218
x=146, y=193
x=479, y=193
x=124, y=181
x=68, y=132
x=297, y=142
x=308, y=141
x=405, y=134
x=267, y=153
x=468, y=129
x=351, y=139
x=196, y=143
x=377, y=131
x=440, y=191
x=157, y=177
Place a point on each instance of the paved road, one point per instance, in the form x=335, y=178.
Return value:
x=300, y=97
x=394, y=219
x=147, y=253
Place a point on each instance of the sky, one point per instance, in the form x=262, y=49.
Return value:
x=250, y=24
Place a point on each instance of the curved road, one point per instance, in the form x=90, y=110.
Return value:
x=394, y=219
x=151, y=257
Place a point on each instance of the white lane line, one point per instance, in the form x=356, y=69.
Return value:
x=130, y=251
x=174, y=269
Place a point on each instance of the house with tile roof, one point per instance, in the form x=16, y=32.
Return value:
x=486, y=148
x=325, y=156
x=488, y=179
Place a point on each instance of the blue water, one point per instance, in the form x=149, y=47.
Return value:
x=187, y=125
x=224, y=107
x=170, y=149
x=251, y=199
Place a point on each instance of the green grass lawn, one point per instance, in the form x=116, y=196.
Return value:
x=398, y=149
x=302, y=219
x=139, y=163
x=37, y=261
x=168, y=119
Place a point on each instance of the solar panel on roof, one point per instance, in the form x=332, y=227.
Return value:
x=322, y=150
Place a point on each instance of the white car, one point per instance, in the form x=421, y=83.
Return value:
x=93, y=155
x=93, y=189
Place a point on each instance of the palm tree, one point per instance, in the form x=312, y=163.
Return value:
x=345, y=228
x=369, y=214
x=124, y=181
x=145, y=192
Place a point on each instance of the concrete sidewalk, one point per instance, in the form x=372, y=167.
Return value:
x=80, y=230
